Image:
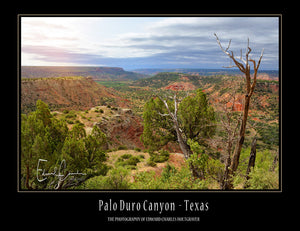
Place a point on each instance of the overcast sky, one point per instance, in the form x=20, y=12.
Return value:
x=146, y=42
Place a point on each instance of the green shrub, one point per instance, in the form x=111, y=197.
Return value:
x=70, y=121
x=151, y=163
x=126, y=156
x=261, y=176
x=132, y=161
x=122, y=147
x=127, y=160
x=116, y=178
x=168, y=171
x=97, y=182
x=70, y=115
x=263, y=179
x=137, y=149
x=171, y=178
x=160, y=157
x=141, y=156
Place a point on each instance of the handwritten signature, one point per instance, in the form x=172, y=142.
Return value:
x=56, y=172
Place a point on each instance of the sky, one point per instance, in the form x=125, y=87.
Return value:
x=146, y=42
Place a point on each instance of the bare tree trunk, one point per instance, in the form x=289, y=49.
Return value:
x=230, y=125
x=252, y=157
x=251, y=162
x=226, y=183
x=240, y=142
x=244, y=67
x=185, y=148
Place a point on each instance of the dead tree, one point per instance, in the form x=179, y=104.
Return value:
x=244, y=66
x=230, y=120
x=251, y=162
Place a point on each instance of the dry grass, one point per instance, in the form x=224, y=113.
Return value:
x=175, y=159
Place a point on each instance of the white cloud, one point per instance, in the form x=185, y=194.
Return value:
x=165, y=39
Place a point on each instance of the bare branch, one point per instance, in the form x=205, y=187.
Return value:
x=239, y=120
x=175, y=104
x=248, y=47
x=262, y=53
x=218, y=41
x=238, y=64
x=228, y=45
x=241, y=58
x=247, y=54
x=232, y=164
x=230, y=66
x=163, y=114
x=255, y=72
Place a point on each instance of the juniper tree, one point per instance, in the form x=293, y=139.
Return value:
x=177, y=119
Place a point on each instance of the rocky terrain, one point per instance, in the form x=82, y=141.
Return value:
x=77, y=93
x=115, y=111
x=182, y=86
x=264, y=74
x=78, y=99
x=122, y=128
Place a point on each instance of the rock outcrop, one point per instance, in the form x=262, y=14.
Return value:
x=181, y=86
x=73, y=93
x=122, y=128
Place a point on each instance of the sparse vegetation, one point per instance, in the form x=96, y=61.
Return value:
x=159, y=157
x=75, y=129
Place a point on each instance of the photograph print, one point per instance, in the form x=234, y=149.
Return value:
x=149, y=103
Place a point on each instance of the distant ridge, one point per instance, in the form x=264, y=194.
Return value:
x=203, y=72
x=98, y=73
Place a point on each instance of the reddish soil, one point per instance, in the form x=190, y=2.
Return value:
x=67, y=93
x=181, y=86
